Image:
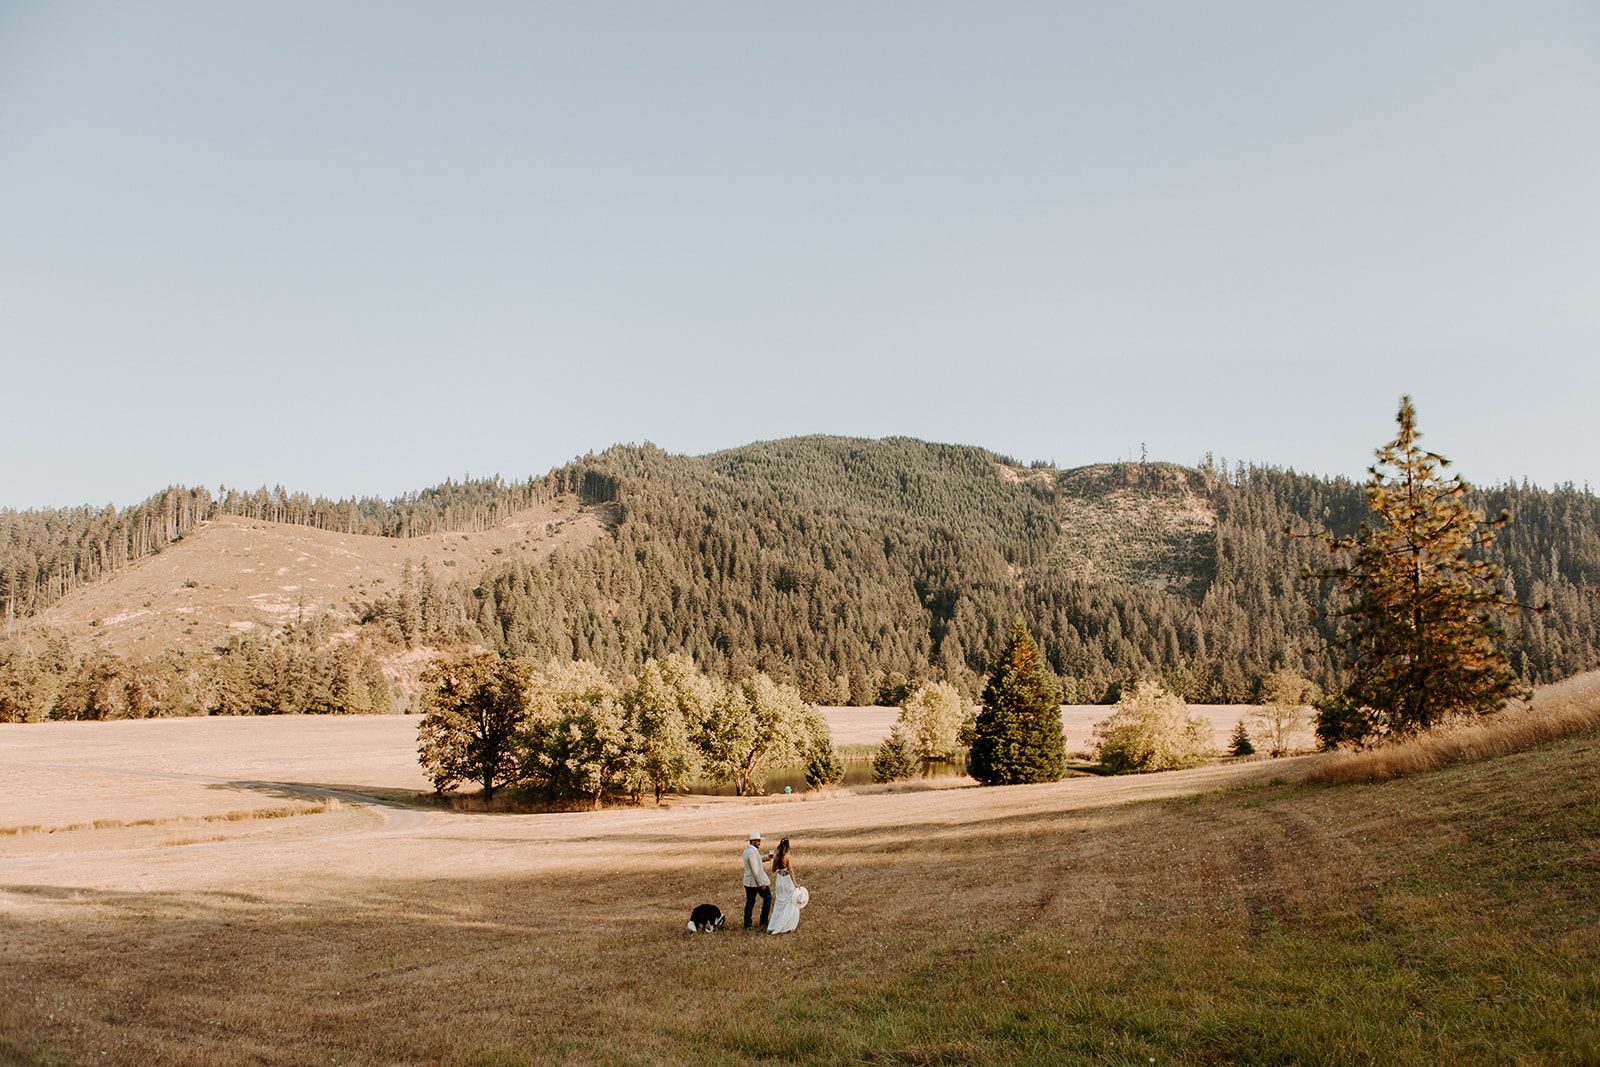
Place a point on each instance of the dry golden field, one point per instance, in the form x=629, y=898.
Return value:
x=1226, y=914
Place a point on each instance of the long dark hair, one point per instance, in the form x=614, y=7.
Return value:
x=781, y=860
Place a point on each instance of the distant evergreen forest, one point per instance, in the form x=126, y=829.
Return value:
x=854, y=568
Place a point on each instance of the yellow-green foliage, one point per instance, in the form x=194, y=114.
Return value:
x=671, y=699
x=931, y=718
x=577, y=738
x=1152, y=730
x=1285, y=708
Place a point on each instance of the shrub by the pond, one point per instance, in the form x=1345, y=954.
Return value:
x=1151, y=730
x=932, y=717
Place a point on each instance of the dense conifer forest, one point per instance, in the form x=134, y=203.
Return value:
x=841, y=563
x=852, y=568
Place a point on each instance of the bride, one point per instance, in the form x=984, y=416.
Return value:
x=785, y=911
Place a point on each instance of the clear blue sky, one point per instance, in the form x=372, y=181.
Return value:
x=360, y=247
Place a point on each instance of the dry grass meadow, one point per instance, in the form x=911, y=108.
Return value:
x=226, y=913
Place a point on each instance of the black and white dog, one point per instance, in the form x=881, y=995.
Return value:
x=705, y=919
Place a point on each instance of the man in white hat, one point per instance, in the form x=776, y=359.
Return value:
x=756, y=882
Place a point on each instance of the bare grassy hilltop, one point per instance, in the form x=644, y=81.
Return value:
x=231, y=576
x=1225, y=915
x=234, y=575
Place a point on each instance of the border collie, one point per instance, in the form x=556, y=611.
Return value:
x=705, y=919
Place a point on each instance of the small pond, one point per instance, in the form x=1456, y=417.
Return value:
x=856, y=772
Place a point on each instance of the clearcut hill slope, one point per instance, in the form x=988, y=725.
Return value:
x=233, y=576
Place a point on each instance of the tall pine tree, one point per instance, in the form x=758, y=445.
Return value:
x=1425, y=641
x=1017, y=738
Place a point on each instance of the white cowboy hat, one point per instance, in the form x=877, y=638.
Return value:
x=801, y=895
x=755, y=837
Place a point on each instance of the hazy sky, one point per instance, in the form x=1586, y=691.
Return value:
x=361, y=247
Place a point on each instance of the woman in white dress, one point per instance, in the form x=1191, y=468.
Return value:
x=785, y=913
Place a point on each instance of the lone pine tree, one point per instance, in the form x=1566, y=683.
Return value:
x=1017, y=738
x=1425, y=640
x=1239, y=743
x=896, y=761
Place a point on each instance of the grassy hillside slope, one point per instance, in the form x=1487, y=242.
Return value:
x=232, y=576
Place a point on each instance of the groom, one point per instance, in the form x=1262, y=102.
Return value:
x=756, y=882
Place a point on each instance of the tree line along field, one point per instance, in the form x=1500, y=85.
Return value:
x=1230, y=914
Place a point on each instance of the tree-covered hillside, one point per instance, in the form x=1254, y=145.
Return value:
x=840, y=563
x=852, y=567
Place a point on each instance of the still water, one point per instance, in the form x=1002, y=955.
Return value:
x=856, y=772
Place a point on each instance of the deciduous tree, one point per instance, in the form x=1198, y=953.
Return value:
x=1152, y=730
x=473, y=710
x=1286, y=700
x=577, y=739
x=755, y=726
x=671, y=700
x=931, y=718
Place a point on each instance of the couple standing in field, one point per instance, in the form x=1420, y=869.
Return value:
x=781, y=900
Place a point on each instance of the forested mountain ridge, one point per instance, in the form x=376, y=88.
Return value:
x=840, y=562
x=851, y=566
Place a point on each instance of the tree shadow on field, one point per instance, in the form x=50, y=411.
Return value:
x=269, y=789
x=355, y=794
x=138, y=902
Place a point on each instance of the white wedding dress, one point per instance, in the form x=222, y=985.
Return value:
x=785, y=916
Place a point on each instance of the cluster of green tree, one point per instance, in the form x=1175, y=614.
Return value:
x=248, y=677
x=424, y=610
x=933, y=722
x=48, y=552
x=567, y=730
